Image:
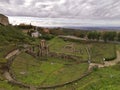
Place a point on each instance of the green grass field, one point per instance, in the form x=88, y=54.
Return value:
x=102, y=79
x=98, y=51
x=4, y=85
x=50, y=72
x=54, y=71
x=58, y=45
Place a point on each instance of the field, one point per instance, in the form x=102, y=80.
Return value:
x=101, y=79
x=67, y=47
x=3, y=83
x=50, y=72
x=55, y=71
x=97, y=51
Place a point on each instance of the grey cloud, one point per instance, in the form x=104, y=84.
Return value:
x=95, y=9
x=4, y=1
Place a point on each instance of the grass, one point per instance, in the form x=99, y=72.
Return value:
x=50, y=72
x=98, y=51
x=102, y=79
x=118, y=47
x=102, y=50
x=61, y=76
x=5, y=49
x=58, y=45
x=10, y=34
x=56, y=71
x=6, y=86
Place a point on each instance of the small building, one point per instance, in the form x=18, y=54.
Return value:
x=4, y=20
x=35, y=34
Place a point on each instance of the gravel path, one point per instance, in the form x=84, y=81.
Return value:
x=107, y=63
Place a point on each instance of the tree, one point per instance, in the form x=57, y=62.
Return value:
x=94, y=35
x=80, y=34
x=98, y=35
x=118, y=36
x=47, y=36
x=89, y=35
x=109, y=36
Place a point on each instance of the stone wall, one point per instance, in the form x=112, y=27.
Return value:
x=11, y=54
x=66, y=57
x=12, y=80
x=66, y=83
x=60, y=56
x=4, y=20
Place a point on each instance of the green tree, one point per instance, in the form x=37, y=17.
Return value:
x=109, y=36
x=94, y=35
x=118, y=37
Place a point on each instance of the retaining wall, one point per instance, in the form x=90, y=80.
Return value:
x=13, y=80
x=61, y=56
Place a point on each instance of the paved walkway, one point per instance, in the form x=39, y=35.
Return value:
x=107, y=63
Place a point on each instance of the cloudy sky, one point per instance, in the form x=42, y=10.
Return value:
x=62, y=8
x=75, y=9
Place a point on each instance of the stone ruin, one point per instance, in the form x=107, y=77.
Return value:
x=4, y=20
x=43, y=49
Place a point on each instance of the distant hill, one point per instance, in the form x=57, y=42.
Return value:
x=94, y=28
x=4, y=20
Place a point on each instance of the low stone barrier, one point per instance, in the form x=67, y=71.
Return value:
x=66, y=83
x=61, y=56
x=31, y=53
x=11, y=53
x=14, y=81
x=67, y=57
x=7, y=74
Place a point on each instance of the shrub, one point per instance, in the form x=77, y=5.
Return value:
x=47, y=36
x=95, y=68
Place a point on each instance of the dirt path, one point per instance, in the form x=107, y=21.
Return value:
x=107, y=63
x=8, y=76
x=72, y=37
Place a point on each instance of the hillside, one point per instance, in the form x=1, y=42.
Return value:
x=64, y=68
x=10, y=34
